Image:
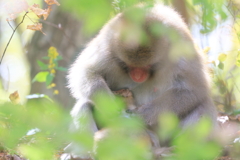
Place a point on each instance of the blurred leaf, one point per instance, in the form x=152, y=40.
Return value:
x=37, y=152
x=94, y=12
x=206, y=50
x=14, y=97
x=46, y=57
x=49, y=79
x=168, y=126
x=51, y=2
x=222, y=57
x=236, y=112
x=61, y=69
x=194, y=143
x=59, y=58
x=42, y=65
x=210, y=10
x=238, y=63
x=41, y=77
x=203, y=128
x=221, y=65
x=110, y=108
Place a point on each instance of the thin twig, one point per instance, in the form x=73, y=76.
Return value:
x=10, y=25
x=12, y=36
x=30, y=19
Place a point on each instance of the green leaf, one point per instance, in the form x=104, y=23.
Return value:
x=40, y=77
x=42, y=65
x=59, y=58
x=236, y=112
x=238, y=63
x=46, y=57
x=238, y=57
x=49, y=79
x=61, y=69
x=221, y=66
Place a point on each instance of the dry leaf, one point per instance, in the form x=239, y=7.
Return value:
x=46, y=14
x=11, y=17
x=14, y=97
x=35, y=27
x=40, y=12
x=51, y=2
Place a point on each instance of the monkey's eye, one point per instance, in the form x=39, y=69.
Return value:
x=122, y=65
x=154, y=68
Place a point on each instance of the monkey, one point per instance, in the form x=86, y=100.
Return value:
x=155, y=57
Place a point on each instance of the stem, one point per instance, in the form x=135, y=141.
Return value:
x=10, y=25
x=12, y=36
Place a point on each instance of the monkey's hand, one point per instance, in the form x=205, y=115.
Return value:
x=128, y=98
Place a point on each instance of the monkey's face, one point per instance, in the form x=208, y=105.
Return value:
x=137, y=49
x=138, y=61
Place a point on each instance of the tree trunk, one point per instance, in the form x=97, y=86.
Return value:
x=63, y=32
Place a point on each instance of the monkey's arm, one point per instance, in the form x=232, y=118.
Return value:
x=187, y=105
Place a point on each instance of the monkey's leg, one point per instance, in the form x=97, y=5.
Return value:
x=83, y=120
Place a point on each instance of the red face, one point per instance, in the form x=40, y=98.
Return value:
x=139, y=74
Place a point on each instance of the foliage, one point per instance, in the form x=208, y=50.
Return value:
x=101, y=11
x=51, y=67
x=39, y=128
x=42, y=136
x=34, y=135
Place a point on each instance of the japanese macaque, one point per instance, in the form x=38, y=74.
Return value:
x=152, y=55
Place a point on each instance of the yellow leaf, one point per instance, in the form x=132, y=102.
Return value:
x=238, y=63
x=222, y=57
x=206, y=50
x=14, y=97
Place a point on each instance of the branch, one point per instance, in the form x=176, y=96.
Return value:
x=12, y=36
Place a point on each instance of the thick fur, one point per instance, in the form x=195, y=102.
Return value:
x=178, y=82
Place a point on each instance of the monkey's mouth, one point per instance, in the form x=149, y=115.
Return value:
x=138, y=74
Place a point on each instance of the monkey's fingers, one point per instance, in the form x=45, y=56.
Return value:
x=123, y=93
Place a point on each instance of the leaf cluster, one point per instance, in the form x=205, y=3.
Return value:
x=49, y=69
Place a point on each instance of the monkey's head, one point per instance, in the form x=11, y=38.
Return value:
x=137, y=50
